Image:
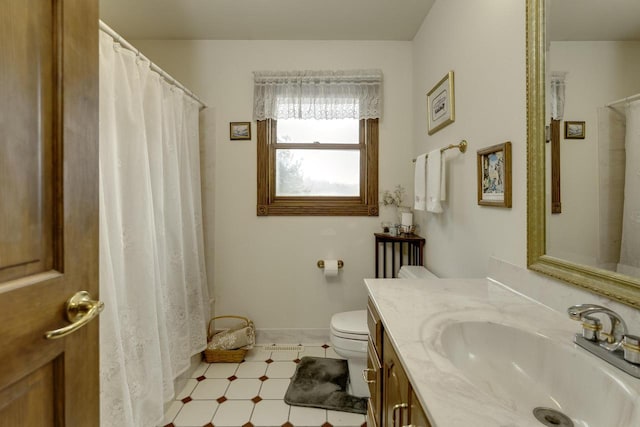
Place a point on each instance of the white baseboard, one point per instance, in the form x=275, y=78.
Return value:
x=292, y=336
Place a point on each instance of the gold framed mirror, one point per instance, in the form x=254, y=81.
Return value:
x=620, y=287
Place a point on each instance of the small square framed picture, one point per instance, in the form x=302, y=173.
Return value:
x=239, y=130
x=574, y=130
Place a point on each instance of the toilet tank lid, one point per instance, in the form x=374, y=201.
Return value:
x=353, y=322
x=415, y=272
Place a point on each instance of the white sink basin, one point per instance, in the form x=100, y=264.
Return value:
x=524, y=370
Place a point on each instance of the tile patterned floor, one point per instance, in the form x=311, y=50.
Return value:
x=251, y=393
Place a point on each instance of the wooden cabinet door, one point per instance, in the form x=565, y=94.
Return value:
x=374, y=365
x=395, y=386
x=374, y=380
x=48, y=210
x=374, y=325
x=417, y=417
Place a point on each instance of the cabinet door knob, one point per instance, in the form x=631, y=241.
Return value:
x=365, y=375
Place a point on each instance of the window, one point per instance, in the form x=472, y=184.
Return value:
x=317, y=158
x=318, y=167
x=317, y=142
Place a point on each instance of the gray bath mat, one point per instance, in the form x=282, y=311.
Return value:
x=322, y=383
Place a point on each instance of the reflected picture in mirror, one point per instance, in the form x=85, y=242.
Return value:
x=574, y=130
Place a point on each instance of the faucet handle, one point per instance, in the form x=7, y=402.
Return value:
x=618, y=326
x=631, y=348
x=591, y=327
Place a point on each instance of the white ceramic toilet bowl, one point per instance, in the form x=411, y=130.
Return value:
x=349, y=337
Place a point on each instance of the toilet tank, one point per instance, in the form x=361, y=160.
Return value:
x=415, y=272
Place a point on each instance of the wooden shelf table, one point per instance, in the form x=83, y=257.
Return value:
x=414, y=254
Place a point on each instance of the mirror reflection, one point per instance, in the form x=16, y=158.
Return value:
x=593, y=110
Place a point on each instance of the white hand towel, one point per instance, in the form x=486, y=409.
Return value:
x=443, y=179
x=434, y=179
x=419, y=184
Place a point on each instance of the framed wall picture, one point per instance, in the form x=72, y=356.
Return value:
x=494, y=175
x=441, y=104
x=239, y=130
x=574, y=130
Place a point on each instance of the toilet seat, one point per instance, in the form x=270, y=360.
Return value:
x=355, y=337
x=350, y=325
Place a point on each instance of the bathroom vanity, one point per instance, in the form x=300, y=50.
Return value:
x=458, y=352
x=393, y=400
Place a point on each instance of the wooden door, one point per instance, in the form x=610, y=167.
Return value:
x=48, y=210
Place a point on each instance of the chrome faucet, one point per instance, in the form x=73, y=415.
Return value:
x=616, y=347
x=583, y=312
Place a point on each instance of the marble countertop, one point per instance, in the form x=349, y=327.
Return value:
x=414, y=314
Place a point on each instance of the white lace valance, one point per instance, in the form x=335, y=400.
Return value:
x=557, y=95
x=353, y=94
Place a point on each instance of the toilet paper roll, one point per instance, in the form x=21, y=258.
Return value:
x=330, y=267
x=407, y=218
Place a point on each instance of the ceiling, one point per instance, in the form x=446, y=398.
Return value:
x=266, y=19
x=340, y=19
x=582, y=20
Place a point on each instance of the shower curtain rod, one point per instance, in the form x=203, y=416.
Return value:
x=122, y=41
x=627, y=99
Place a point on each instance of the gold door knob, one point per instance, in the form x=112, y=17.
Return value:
x=81, y=309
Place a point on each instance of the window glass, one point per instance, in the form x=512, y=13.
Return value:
x=341, y=131
x=324, y=173
x=338, y=176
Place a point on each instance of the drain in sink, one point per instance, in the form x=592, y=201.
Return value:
x=552, y=418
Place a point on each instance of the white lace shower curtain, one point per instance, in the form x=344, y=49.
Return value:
x=630, y=246
x=152, y=274
x=611, y=168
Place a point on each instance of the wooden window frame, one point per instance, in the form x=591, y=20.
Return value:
x=364, y=205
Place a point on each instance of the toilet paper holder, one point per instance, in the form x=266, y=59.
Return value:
x=321, y=263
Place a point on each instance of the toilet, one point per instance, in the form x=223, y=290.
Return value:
x=349, y=335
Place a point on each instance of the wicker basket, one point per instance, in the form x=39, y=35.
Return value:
x=225, y=356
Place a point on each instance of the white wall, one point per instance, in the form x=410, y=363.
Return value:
x=265, y=267
x=483, y=42
x=597, y=74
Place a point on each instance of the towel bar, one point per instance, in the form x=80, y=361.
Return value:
x=462, y=147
